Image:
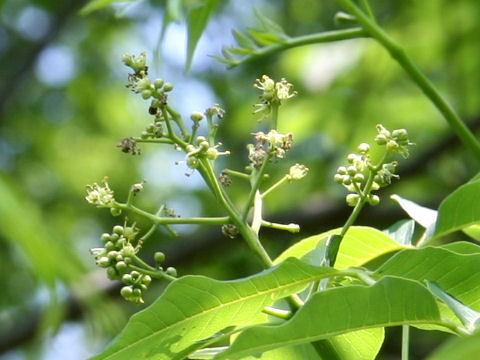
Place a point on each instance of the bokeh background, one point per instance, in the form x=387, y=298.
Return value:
x=64, y=107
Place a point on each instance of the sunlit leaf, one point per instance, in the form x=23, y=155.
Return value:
x=459, y=210
x=194, y=308
x=339, y=310
x=469, y=317
x=244, y=41
x=360, y=245
x=422, y=215
x=457, y=274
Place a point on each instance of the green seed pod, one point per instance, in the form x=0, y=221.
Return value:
x=118, y=229
x=126, y=292
x=167, y=87
x=159, y=257
x=171, y=271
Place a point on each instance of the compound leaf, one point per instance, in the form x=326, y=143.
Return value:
x=340, y=310
x=194, y=308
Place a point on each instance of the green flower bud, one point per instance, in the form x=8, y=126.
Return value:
x=159, y=257
x=126, y=292
x=196, y=116
x=171, y=271
x=135, y=274
x=381, y=139
x=137, y=293
x=146, y=280
x=128, y=260
x=352, y=170
x=167, y=87
x=358, y=178
x=363, y=148
x=121, y=266
x=147, y=94
x=158, y=83
x=338, y=178
x=352, y=199
x=118, y=229
x=342, y=170
x=392, y=146
x=143, y=287
x=351, y=158
x=112, y=273
x=103, y=262
x=373, y=199
x=109, y=246
x=105, y=237
x=212, y=153
x=127, y=279
x=192, y=162
x=115, y=211
x=204, y=145
x=119, y=257
x=128, y=250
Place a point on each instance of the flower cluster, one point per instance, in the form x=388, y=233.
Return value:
x=361, y=176
x=99, y=195
x=273, y=93
x=396, y=141
x=202, y=149
x=117, y=256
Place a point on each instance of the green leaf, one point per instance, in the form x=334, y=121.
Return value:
x=469, y=317
x=95, y=5
x=264, y=37
x=422, y=215
x=402, y=231
x=360, y=245
x=473, y=231
x=459, y=210
x=459, y=348
x=269, y=25
x=457, y=274
x=194, y=308
x=462, y=247
x=339, y=310
x=244, y=41
x=197, y=20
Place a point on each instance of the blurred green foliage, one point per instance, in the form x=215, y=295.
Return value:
x=63, y=108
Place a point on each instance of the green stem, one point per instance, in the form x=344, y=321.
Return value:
x=293, y=228
x=279, y=183
x=256, y=177
x=399, y=54
x=236, y=173
x=327, y=36
x=275, y=106
x=178, y=120
x=368, y=9
x=278, y=313
x=164, y=220
x=405, y=341
x=156, y=141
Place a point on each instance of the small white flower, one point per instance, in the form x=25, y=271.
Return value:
x=297, y=172
x=100, y=195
